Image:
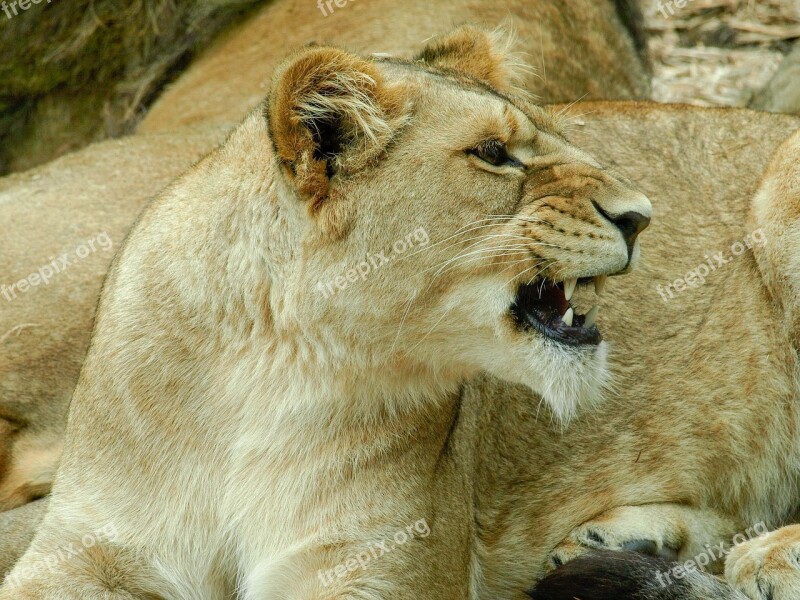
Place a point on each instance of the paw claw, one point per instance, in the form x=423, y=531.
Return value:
x=566, y=552
x=653, y=531
x=596, y=537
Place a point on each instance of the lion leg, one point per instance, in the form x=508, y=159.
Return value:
x=30, y=466
x=775, y=236
x=670, y=531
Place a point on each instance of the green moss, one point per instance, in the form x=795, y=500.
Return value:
x=105, y=60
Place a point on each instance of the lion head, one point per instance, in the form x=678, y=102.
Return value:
x=441, y=220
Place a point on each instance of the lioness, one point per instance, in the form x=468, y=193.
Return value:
x=256, y=436
x=579, y=49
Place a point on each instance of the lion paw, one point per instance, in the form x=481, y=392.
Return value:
x=767, y=568
x=627, y=528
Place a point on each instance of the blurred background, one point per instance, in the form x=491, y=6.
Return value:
x=719, y=52
x=85, y=70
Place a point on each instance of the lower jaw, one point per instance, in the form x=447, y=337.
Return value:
x=544, y=307
x=575, y=336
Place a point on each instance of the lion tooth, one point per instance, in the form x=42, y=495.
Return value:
x=569, y=287
x=591, y=316
x=600, y=284
x=567, y=318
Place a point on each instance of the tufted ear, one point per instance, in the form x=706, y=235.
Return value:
x=485, y=55
x=331, y=112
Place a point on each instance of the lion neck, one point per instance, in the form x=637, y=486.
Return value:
x=313, y=376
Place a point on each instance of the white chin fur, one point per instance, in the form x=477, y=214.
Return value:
x=569, y=379
x=574, y=380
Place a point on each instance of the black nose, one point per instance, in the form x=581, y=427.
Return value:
x=630, y=224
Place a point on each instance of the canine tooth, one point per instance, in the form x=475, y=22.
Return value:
x=600, y=284
x=569, y=287
x=591, y=316
x=567, y=318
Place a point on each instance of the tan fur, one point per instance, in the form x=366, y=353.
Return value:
x=18, y=526
x=323, y=425
x=577, y=49
x=766, y=567
x=44, y=331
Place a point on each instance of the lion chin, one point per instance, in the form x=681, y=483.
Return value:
x=569, y=380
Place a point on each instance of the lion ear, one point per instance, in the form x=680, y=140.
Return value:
x=330, y=112
x=485, y=55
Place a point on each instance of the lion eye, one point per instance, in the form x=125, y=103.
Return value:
x=495, y=153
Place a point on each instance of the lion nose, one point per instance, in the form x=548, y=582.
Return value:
x=630, y=223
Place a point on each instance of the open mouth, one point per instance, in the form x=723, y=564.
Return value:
x=544, y=305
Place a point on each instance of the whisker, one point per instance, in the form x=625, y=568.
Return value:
x=547, y=262
x=410, y=302
x=570, y=105
x=513, y=263
x=480, y=257
x=479, y=251
x=486, y=224
x=508, y=247
x=403, y=319
x=473, y=252
x=430, y=331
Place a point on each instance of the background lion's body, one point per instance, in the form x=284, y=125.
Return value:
x=577, y=50
x=699, y=378
x=45, y=329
